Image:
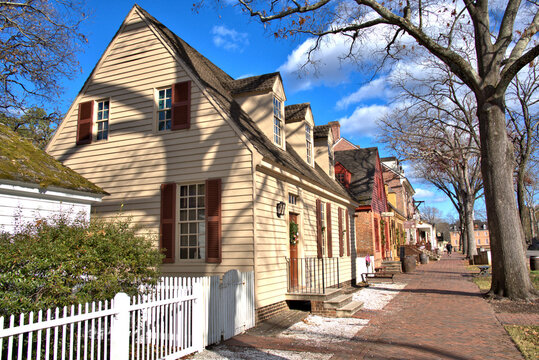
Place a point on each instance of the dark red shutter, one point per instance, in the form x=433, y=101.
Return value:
x=181, y=106
x=318, y=228
x=213, y=221
x=328, y=231
x=168, y=221
x=341, y=243
x=84, y=122
x=347, y=218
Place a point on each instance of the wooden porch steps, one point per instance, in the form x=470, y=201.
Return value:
x=390, y=267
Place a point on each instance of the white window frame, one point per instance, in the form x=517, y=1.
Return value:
x=158, y=110
x=278, y=133
x=309, y=143
x=183, y=217
x=102, y=121
x=323, y=225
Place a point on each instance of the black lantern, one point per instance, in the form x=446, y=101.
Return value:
x=281, y=206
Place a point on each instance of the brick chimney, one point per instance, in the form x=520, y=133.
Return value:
x=335, y=130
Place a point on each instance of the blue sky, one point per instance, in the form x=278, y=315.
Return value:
x=241, y=47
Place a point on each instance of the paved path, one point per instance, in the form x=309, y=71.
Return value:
x=438, y=315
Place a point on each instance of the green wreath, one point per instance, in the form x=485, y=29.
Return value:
x=294, y=234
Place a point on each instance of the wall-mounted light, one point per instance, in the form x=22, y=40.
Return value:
x=281, y=206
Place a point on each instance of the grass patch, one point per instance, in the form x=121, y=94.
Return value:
x=534, y=276
x=526, y=338
x=483, y=282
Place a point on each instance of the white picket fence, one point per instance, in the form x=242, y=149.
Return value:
x=163, y=324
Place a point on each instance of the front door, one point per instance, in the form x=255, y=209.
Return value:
x=293, y=218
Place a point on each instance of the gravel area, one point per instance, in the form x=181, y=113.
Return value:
x=235, y=353
x=320, y=330
x=376, y=296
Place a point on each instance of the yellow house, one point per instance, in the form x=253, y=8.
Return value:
x=218, y=170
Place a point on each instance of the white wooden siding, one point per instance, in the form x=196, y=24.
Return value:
x=136, y=159
x=272, y=235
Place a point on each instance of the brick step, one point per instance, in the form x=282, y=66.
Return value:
x=349, y=309
x=338, y=301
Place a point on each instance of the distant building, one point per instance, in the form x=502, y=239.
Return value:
x=481, y=233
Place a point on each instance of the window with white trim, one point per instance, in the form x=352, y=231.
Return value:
x=309, y=143
x=277, y=121
x=192, y=221
x=102, y=120
x=323, y=226
x=164, y=109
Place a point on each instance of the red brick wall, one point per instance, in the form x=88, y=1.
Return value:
x=379, y=201
x=365, y=237
x=344, y=145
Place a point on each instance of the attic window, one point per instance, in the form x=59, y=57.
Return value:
x=277, y=121
x=292, y=199
x=164, y=109
x=102, y=120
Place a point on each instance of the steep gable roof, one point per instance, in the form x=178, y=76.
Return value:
x=21, y=161
x=362, y=164
x=220, y=86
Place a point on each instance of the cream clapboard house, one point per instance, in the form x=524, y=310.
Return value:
x=202, y=161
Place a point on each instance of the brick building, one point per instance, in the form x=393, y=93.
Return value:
x=481, y=234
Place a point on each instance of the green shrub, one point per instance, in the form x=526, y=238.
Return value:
x=58, y=262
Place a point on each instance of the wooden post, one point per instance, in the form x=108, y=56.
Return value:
x=119, y=337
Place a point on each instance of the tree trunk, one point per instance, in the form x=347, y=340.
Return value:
x=510, y=276
x=463, y=233
x=470, y=229
x=523, y=210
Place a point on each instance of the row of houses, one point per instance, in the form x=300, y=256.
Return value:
x=223, y=173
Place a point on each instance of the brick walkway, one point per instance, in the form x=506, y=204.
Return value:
x=439, y=315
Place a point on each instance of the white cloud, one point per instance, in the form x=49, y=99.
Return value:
x=363, y=121
x=229, y=39
x=423, y=193
x=377, y=89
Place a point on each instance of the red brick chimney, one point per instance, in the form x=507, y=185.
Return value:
x=335, y=130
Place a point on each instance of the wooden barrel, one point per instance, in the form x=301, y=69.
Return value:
x=534, y=263
x=408, y=265
x=423, y=258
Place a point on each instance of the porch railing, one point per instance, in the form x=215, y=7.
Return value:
x=312, y=275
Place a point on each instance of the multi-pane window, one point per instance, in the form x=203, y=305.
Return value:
x=102, y=120
x=292, y=199
x=341, y=177
x=277, y=121
x=192, y=223
x=309, y=140
x=164, y=109
x=323, y=225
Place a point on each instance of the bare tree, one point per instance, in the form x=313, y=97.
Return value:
x=39, y=42
x=431, y=214
x=502, y=39
x=522, y=101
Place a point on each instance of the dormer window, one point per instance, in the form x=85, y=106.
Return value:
x=277, y=121
x=309, y=143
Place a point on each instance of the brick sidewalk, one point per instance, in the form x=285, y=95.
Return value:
x=439, y=315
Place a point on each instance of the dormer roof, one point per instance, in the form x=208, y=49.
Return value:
x=321, y=131
x=362, y=164
x=296, y=112
x=259, y=83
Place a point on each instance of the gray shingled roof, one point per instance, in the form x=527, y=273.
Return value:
x=362, y=164
x=258, y=83
x=21, y=161
x=296, y=112
x=321, y=131
x=218, y=84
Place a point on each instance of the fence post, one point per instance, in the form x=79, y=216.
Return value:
x=119, y=337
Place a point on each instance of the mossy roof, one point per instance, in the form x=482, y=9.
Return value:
x=21, y=161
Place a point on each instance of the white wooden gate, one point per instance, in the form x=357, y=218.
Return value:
x=230, y=305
